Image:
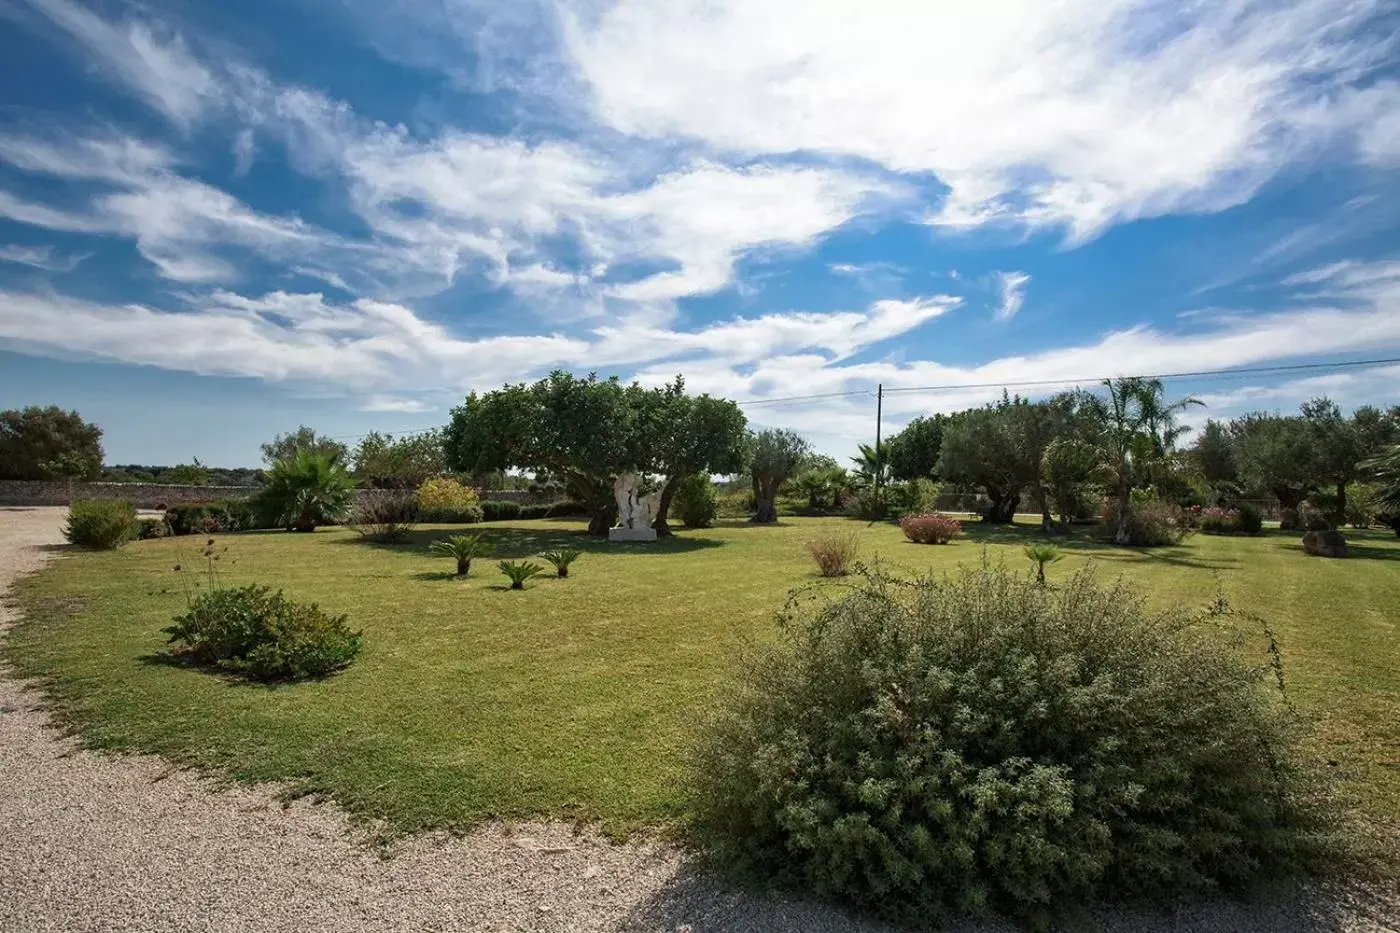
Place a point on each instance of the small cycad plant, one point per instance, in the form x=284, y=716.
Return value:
x=1040, y=555
x=561, y=558
x=463, y=548
x=519, y=571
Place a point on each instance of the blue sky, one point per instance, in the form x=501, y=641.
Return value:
x=219, y=221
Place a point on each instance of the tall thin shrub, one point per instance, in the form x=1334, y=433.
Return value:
x=834, y=552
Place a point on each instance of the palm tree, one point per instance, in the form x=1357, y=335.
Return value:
x=1141, y=430
x=872, y=464
x=1386, y=471
x=306, y=490
x=463, y=548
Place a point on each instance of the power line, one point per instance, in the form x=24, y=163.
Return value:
x=1197, y=374
x=1203, y=373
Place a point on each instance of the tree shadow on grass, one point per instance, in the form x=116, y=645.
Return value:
x=1089, y=541
x=1354, y=551
x=513, y=542
x=229, y=679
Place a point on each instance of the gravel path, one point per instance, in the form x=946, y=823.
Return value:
x=109, y=843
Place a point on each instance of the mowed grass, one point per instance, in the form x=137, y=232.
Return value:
x=576, y=698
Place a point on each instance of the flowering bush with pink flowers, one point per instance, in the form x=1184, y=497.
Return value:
x=930, y=528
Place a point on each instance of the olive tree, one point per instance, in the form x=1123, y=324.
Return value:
x=386, y=462
x=913, y=452
x=47, y=444
x=776, y=456
x=287, y=446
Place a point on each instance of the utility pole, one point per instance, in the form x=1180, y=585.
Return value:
x=879, y=406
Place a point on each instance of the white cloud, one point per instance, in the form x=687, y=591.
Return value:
x=158, y=68
x=243, y=151
x=1077, y=114
x=40, y=257
x=1012, y=289
x=390, y=403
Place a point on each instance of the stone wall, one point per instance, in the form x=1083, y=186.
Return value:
x=151, y=495
x=142, y=495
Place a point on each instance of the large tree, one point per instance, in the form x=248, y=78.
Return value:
x=48, y=444
x=776, y=456
x=982, y=447
x=586, y=431
x=386, y=462
x=287, y=446
x=1275, y=454
x=690, y=434
x=913, y=452
x=1213, y=455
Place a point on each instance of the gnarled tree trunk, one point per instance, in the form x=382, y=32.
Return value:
x=765, y=499
x=1002, y=511
x=663, y=506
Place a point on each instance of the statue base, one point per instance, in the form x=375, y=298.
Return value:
x=631, y=534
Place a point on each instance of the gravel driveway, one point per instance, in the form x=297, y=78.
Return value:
x=107, y=843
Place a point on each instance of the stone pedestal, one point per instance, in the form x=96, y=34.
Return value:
x=631, y=534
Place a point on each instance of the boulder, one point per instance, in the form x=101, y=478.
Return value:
x=1329, y=543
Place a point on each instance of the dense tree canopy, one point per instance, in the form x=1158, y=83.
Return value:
x=385, y=462
x=913, y=452
x=47, y=444
x=692, y=434
x=287, y=446
x=587, y=431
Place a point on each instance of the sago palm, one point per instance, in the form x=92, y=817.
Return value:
x=463, y=548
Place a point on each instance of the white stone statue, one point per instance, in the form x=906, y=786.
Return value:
x=635, y=512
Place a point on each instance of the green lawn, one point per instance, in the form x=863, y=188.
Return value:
x=576, y=697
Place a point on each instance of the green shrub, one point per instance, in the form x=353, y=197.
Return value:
x=1219, y=521
x=1361, y=505
x=918, y=496
x=452, y=515
x=1151, y=522
x=100, y=524
x=262, y=635
x=834, y=552
x=1251, y=519
x=926, y=748
x=384, y=516
x=151, y=528
x=566, y=508
x=696, y=501
x=534, y=510
x=870, y=504
x=494, y=510
x=223, y=515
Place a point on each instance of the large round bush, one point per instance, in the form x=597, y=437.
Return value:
x=260, y=634
x=985, y=743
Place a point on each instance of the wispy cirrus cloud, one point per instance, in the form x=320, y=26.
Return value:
x=154, y=63
x=40, y=257
x=1011, y=287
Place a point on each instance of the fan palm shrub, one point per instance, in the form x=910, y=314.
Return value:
x=1040, y=555
x=306, y=490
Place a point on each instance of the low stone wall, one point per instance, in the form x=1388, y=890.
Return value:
x=142, y=495
x=151, y=495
